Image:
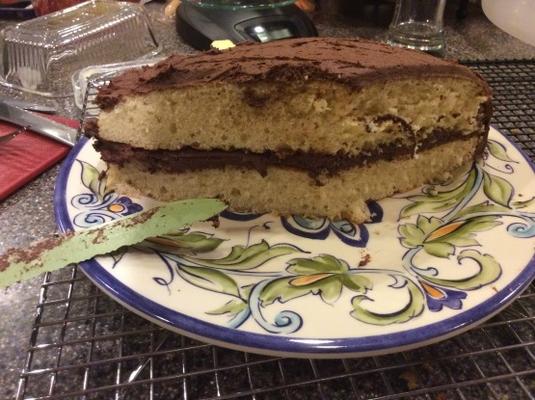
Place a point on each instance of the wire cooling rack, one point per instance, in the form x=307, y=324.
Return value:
x=84, y=345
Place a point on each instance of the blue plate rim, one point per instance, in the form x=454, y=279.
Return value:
x=282, y=344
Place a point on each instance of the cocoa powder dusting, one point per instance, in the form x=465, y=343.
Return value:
x=4, y=263
x=353, y=62
x=90, y=127
x=100, y=237
x=214, y=220
x=140, y=218
x=33, y=252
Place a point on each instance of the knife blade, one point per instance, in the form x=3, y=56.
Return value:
x=57, y=252
x=29, y=106
x=36, y=123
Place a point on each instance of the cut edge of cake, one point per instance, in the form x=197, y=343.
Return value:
x=254, y=153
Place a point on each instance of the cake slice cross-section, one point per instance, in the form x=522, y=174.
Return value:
x=312, y=126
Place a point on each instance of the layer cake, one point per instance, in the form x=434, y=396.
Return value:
x=313, y=126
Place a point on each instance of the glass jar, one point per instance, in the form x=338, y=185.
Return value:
x=419, y=25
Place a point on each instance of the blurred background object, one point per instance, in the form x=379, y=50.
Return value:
x=419, y=25
x=170, y=8
x=201, y=22
x=372, y=12
x=16, y=9
x=39, y=56
x=516, y=17
x=43, y=7
x=14, y=3
x=306, y=5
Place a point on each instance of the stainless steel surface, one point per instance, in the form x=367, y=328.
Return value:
x=29, y=106
x=36, y=123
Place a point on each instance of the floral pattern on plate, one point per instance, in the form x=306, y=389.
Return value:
x=265, y=274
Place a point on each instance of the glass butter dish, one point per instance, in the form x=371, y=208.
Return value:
x=39, y=56
x=95, y=76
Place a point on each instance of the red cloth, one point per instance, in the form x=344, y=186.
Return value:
x=28, y=155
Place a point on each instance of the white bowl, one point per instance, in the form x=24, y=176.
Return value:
x=516, y=17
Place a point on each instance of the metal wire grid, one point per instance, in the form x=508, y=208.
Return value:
x=84, y=345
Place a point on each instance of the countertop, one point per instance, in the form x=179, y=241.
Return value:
x=28, y=214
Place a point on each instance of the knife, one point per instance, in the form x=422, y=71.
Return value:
x=36, y=123
x=29, y=106
x=56, y=252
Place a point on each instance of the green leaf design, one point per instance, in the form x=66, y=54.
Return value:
x=524, y=203
x=499, y=151
x=323, y=275
x=497, y=189
x=180, y=242
x=210, y=279
x=90, y=179
x=244, y=258
x=461, y=233
x=421, y=207
x=357, y=282
x=328, y=287
x=413, y=308
x=484, y=207
x=428, y=225
x=232, y=307
x=439, y=249
x=478, y=224
x=246, y=291
x=442, y=241
x=489, y=272
x=283, y=291
x=436, y=201
x=411, y=235
x=457, y=239
x=315, y=265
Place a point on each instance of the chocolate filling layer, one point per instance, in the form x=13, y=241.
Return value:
x=316, y=164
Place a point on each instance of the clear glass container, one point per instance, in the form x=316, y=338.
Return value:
x=95, y=75
x=39, y=56
x=418, y=24
x=237, y=4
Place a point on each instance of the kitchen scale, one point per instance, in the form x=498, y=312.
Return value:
x=200, y=22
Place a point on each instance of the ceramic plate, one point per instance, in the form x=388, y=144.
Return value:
x=431, y=264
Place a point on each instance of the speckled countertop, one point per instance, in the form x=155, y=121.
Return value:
x=28, y=214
